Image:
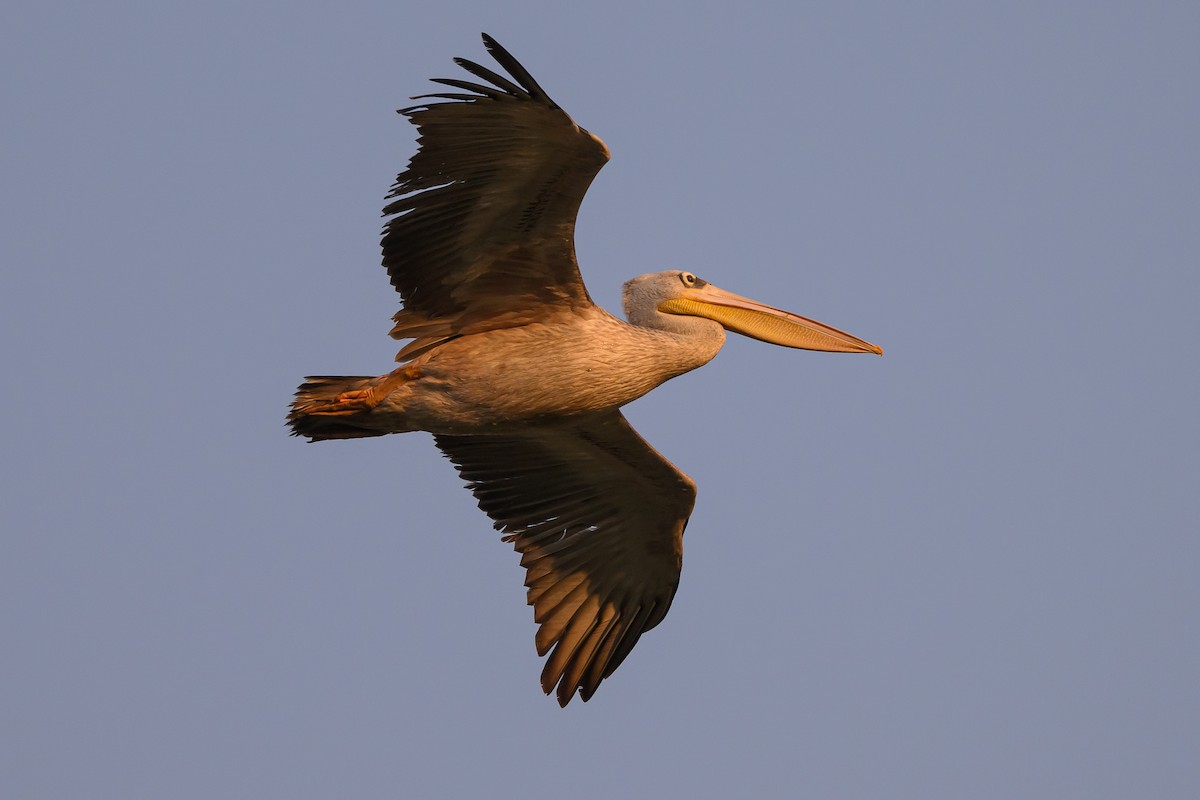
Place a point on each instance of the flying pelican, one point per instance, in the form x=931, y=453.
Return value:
x=520, y=377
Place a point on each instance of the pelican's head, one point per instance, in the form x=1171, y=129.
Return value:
x=681, y=293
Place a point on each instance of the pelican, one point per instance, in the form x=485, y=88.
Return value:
x=520, y=377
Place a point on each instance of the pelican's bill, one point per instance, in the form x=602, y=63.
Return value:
x=767, y=324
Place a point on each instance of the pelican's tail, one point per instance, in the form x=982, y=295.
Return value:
x=336, y=406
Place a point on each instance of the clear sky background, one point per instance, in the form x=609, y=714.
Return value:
x=967, y=569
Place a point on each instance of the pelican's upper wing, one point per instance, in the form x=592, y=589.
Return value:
x=484, y=216
x=598, y=517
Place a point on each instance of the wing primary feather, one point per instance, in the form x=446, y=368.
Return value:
x=579, y=662
x=506, y=60
x=486, y=91
x=440, y=96
x=629, y=638
x=581, y=624
x=556, y=622
x=596, y=670
x=661, y=607
x=480, y=71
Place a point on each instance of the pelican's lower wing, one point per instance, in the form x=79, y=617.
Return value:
x=598, y=517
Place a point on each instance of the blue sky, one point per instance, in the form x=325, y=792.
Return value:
x=967, y=569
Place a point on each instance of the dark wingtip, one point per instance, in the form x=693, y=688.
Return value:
x=514, y=67
x=497, y=51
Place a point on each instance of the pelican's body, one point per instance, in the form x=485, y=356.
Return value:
x=520, y=377
x=586, y=361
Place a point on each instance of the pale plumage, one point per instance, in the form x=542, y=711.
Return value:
x=520, y=377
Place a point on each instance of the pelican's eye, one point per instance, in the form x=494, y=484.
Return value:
x=688, y=278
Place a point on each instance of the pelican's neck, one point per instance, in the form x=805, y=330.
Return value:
x=676, y=343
